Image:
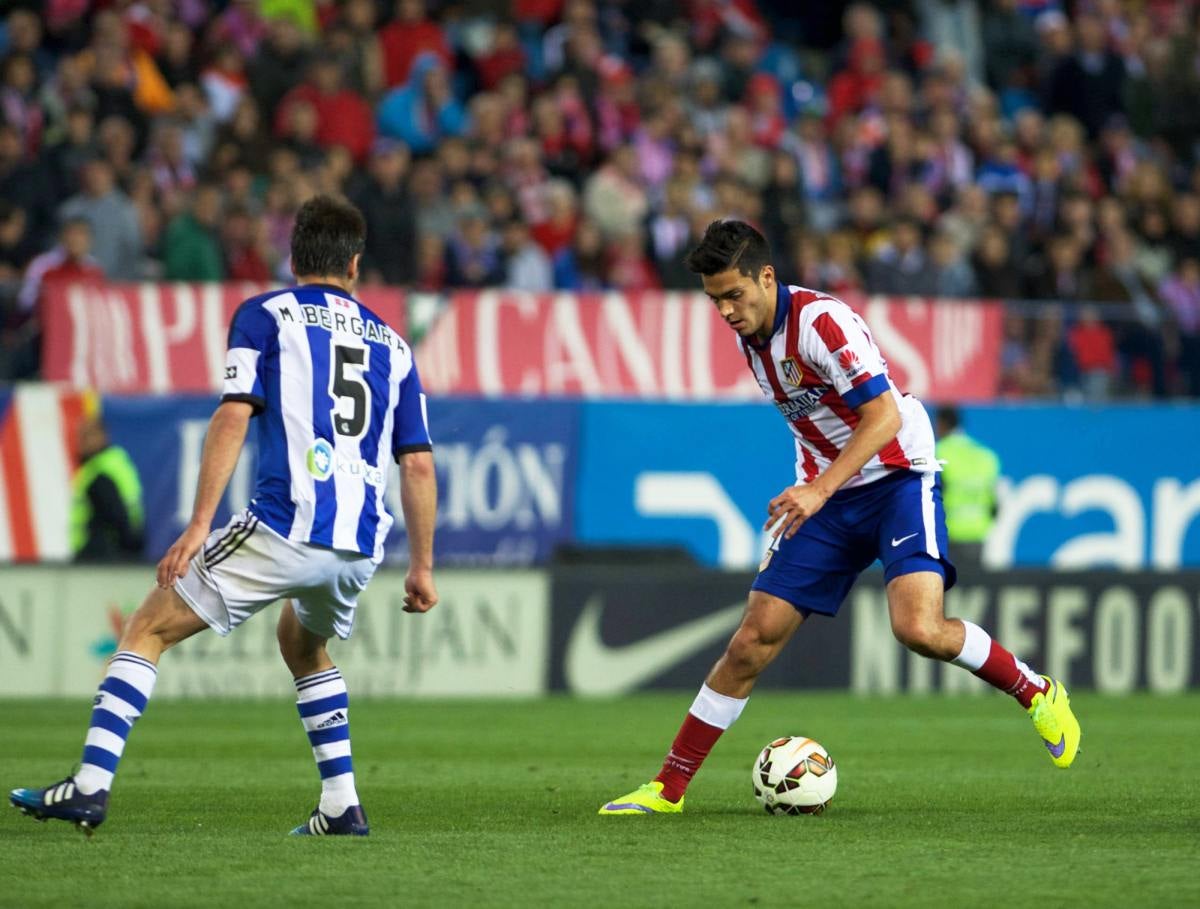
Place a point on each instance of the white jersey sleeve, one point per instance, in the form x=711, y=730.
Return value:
x=836, y=341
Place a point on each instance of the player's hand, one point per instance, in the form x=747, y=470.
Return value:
x=174, y=564
x=420, y=594
x=792, y=507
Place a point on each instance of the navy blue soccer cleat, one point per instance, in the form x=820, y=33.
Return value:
x=62, y=801
x=351, y=822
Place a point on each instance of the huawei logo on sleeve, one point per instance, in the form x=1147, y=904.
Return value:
x=850, y=363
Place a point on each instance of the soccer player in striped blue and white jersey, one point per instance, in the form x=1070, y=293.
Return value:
x=335, y=393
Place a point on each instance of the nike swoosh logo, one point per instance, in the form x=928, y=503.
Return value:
x=896, y=542
x=595, y=668
x=1057, y=750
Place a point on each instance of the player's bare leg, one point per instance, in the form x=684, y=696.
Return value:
x=324, y=708
x=302, y=651
x=918, y=621
x=162, y=621
x=767, y=625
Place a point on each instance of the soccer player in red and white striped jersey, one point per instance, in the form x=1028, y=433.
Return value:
x=866, y=488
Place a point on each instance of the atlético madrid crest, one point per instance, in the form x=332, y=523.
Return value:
x=791, y=370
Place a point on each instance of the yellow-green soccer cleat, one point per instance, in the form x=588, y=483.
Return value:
x=1055, y=723
x=645, y=799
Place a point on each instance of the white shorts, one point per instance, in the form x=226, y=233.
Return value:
x=246, y=566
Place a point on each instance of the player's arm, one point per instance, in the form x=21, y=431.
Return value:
x=413, y=450
x=836, y=343
x=222, y=446
x=879, y=421
x=418, y=499
x=251, y=333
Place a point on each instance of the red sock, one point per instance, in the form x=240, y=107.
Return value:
x=691, y=746
x=1004, y=671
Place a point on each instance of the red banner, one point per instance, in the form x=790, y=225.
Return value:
x=675, y=346
x=154, y=337
x=171, y=338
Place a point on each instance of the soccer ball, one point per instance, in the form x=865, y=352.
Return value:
x=794, y=775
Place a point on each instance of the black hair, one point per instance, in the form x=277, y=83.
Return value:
x=949, y=417
x=329, y=233
x=729, y=244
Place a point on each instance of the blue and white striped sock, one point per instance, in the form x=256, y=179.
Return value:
x=325, y=712
x=119, y=702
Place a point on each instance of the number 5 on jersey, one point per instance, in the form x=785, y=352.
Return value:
x=348, y=387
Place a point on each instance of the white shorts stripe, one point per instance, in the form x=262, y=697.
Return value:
x=928, y=517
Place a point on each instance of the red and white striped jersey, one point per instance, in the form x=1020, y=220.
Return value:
x=819, y=365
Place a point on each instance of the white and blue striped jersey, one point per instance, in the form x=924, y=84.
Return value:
x=337, y=394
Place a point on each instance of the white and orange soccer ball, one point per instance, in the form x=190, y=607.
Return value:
x=794, y=775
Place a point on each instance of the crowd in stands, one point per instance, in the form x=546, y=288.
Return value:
x=1034, y=150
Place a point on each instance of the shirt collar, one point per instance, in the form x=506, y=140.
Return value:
x=783, y=303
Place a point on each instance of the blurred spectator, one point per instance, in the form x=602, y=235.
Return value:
x=1095, y=357
x=191, y=246
x=556, y=230
x=505, y=56
x=1181, y=293
x=838, y=272
x=903, y=268
x=1064, y=277
x=526, y=265
x=422, y=110
x=670, y=237
x=240, y=28
x=410, y=36
x=116, y=233
x=383, y=198
x=473, y=255
x=224, y=82
x=69, y=260
x=613, y=197
x=1010, y=45
x=997, y=275
x=783, y=203
x=25, y=35
x=629, y=268
x=582, y=265
x=106, y=504
x=244, y=247
x=1138, y=336
x=969, y=478
x=1088, y=84
x=17, y=247
x=953, y=276
x=279, y=63
x=343, y=116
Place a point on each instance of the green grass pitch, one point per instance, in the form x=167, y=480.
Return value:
x=942, y=801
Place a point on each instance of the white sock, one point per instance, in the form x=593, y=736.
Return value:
x=120, y=701
x=717, y=709
x=977, y=644
x=325, y=712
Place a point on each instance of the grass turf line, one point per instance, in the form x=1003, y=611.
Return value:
x=941, y=801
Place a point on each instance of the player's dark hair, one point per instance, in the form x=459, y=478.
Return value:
x=949, y=417
x=729, y=244
x=329, y=232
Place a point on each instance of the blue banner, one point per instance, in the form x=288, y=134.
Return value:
x=506, y=474
x=1082, y=487
x=1117, y=486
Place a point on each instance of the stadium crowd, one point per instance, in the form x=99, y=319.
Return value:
x=1028, y=150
